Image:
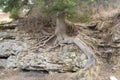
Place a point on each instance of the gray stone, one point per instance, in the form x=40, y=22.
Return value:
x=83, y=57
x=8, y=48
x=68, y=60
x=11, y=62
x=2, y=63
x=7, y=35
x=116, y=33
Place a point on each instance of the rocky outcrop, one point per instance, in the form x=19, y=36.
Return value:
x=8, y=48
x=11, y=62
x=70, y=59
x=15, y=52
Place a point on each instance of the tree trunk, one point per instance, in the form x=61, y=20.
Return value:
x=62, y=37
x=60, y=30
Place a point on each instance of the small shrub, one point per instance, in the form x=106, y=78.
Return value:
x=81, y=18
x=14, y=13
x=84, y=18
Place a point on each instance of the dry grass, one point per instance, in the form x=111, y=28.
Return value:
x=106, y=14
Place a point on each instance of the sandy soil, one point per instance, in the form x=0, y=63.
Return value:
x=4, y=17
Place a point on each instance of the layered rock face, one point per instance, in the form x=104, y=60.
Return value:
x=15, y=52
x=70, y=59
x=10, y=47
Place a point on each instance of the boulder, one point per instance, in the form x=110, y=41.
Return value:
x=12, y=47
x=69, y=59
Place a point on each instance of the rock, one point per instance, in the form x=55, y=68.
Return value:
x=11, y=62
x=83, y=57
x=7, y=26
x=116, y=33
x=2, y=63
x=68, y=60
x=113, y=78
x=38, y=62
x=10, y=47
x=7, y=35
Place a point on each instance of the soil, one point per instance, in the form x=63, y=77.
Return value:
x=105, y=74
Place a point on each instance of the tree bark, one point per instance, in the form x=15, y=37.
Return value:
x=60, y=30
x=62, y=37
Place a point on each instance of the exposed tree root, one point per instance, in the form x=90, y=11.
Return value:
x=87, y=51
x=52, y=48
x=63, y=38
x=84, y=48
x=44, y=40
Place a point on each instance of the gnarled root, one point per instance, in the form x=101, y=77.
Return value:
x=87, y=51
x=58, y=42
x=45, y=40
x=83, y=46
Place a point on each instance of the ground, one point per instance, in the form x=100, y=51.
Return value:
x=105, y=74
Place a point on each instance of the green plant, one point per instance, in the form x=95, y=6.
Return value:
x=63, y=7
x=12, y=6
x=14, y=13
x=83, y=18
